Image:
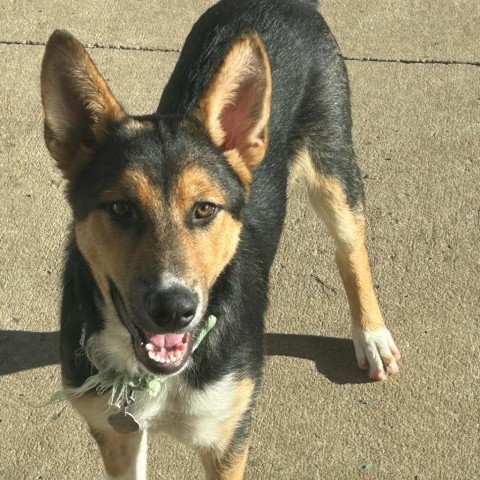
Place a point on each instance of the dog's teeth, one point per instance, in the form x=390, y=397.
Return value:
x=163, y=355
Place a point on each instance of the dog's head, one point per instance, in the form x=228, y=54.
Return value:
x=157, y=201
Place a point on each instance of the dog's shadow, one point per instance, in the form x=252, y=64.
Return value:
x=21, y=350
x=333, y=357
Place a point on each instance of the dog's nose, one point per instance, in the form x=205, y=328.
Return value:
x=172, y=308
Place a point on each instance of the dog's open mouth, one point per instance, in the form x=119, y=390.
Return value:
x=165, y=353
x=160, y=353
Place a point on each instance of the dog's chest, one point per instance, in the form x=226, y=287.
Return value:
x=195, y=417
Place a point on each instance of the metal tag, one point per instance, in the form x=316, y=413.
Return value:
x=123, y=422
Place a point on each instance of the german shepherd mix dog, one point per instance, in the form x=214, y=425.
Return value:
x=176, y=220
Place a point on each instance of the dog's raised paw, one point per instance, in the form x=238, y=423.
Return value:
x=376, y=352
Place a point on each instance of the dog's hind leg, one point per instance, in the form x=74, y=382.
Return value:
x=337, y=197
x=124, y=455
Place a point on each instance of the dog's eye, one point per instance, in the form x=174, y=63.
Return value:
x=204, y=212
x=121, y=210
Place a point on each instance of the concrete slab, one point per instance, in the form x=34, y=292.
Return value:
x=406, y=30
x=383, y=29
x=415, y=134
x=416, y=130
x=160, y=24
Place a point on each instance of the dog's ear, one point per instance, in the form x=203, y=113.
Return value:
x=235, y=107
x=77, y=103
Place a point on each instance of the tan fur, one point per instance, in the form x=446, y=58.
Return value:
x=113, y=254
x=241, y=402
x=105, y=257
x=222, y=460
x=119, y=451
x=107, y=253
x=137, y=186
x=246, y=58
x=240, y=168
x=227, y=461
x=195, y=184
x=348, y=229
x=118, y=255
x=135, y=125
x=215, y=469
x=208, y=250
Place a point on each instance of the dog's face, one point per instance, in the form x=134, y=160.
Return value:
x=158, y=217
x=157, y=202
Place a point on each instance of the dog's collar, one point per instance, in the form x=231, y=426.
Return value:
x=120, y=383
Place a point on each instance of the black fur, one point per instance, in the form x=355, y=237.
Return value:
x=310, y=107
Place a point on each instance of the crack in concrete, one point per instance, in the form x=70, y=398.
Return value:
x=419, y=61
x=104, y=46
x=96, y=45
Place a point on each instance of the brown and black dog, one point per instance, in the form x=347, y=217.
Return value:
x=177, y=217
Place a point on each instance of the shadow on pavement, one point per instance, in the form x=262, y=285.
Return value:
x=333, y=357
x=25, y=350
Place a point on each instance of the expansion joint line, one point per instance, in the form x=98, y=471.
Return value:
x=96, y=45
x=104, y=46
x=425, y=61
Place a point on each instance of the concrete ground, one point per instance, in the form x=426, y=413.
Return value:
x=415, y=76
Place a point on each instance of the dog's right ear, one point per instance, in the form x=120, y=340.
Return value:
x=77, y=103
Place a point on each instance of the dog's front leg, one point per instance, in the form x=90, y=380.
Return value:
x=225, y=458
x=124, y=455
x=343, y=212
x=225, y=466
x=374, y=346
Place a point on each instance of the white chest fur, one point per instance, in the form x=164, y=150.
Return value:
x=198, y=418
x=195, y=417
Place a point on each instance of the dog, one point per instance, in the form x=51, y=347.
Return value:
x=177, y=218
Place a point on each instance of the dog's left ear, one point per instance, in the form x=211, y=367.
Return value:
x=235, y=108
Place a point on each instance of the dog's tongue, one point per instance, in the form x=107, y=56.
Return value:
x=168, y=340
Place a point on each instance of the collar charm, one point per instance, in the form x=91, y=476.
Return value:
x=123, y=421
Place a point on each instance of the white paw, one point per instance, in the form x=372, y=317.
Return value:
x=376, y=351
